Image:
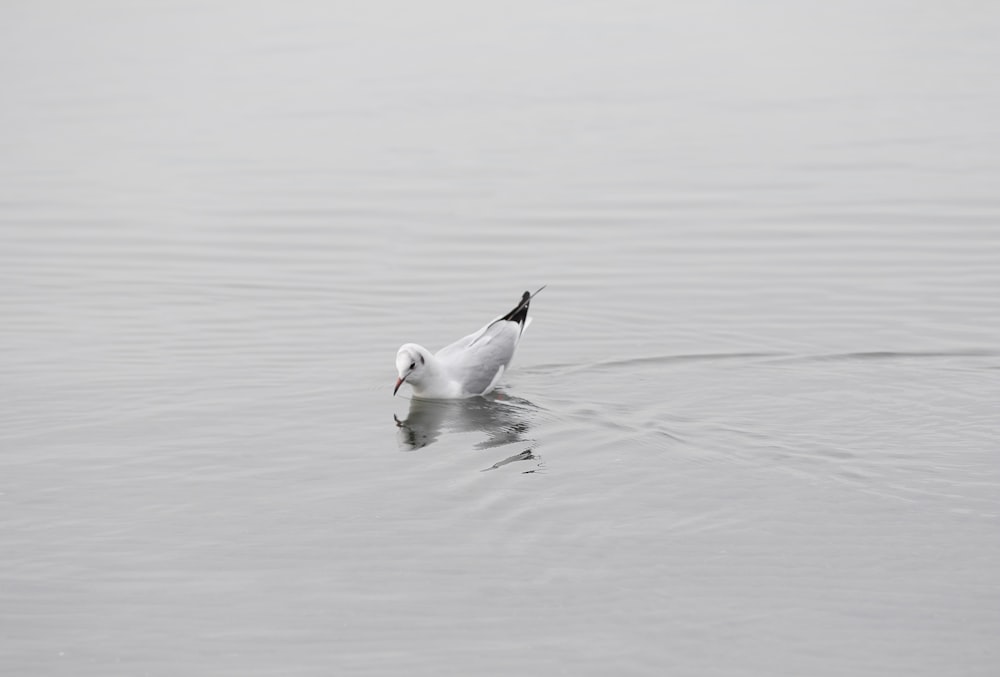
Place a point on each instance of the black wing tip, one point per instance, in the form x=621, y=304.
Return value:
x=520, y=312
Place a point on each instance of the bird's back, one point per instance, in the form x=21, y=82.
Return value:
x=477, y=360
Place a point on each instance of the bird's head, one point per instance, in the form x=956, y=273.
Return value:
x=411, y=365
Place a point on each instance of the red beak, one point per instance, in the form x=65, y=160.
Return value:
x=399, y=382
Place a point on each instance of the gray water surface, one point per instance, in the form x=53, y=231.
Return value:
x=754, y=428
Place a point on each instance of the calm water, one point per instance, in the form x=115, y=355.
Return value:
x=755, y=426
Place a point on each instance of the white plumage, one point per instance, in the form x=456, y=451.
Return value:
x=471, y=366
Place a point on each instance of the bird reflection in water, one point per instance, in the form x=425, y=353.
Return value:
x=503, y=419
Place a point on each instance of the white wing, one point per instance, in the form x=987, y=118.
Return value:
x=477, y=360
x=487, y=333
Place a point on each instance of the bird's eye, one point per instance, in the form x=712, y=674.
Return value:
x=413, y=365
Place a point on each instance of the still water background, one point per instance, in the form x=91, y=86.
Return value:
x=753, y=429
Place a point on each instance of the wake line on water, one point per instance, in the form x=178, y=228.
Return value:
x=768, y=356
x=891, y=355
x=649, y=359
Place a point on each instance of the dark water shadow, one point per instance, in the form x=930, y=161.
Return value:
x=502, y=419
x=526, y=455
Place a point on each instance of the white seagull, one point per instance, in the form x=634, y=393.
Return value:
x=468, y=367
